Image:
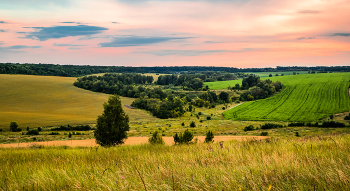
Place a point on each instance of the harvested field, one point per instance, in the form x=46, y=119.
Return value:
x=129, y=141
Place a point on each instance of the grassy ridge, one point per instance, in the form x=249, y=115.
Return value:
x=320, y=163
x=307, y=97
x=47, y=100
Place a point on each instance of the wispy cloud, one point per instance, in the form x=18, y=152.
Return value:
x=2, y=22
x=212, y=42
x=305, y=38
x=55, y=32
x=17, y=48
x=341, y=34
x=196, y=52
x=72, y=45
x=125, y=41
x=306, y=11
x=2, y=30
x=22, y=47
x=115, y=22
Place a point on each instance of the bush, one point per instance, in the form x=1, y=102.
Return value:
x=39, y=129
x=14, y=127
x=156, y=138
x=182, y=124
x=70, y=135
x=209, y=137
x=297, y=134
x=249, y=128
x=0, y=130
x=192, y=124
x=347, y=117
x=208, y=118
x=271, y=126
x=264, y=133
x=296, y=124
x=184, y=138
x=200, y=121
x=54, y=133
x=33, y=132
x=199, y=113
x=223, y=108
x=332, y=124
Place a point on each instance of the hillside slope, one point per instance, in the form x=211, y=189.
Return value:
x=47, y=100
x=307, y=97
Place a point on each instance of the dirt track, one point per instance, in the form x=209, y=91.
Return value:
x=129, y=141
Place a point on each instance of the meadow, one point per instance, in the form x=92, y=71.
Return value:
x=307, y=97
x=308, y=163
x=34, y=101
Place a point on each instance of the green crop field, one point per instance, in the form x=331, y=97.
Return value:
x=219, y=85
x=48, y=100
x=308, y=97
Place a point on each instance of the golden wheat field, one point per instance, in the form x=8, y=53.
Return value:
x=34, y=101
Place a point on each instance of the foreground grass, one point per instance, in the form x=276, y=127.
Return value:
x=319, y=163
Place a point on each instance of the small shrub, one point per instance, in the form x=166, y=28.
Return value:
x=182, y=124
x=70, y=135
x=208, y=118
x=331, y=117
x=0, y=130
x=33, y=132
x=200, y=121
x=184, y=138
x=34, y=138
x=271, y=126
x=54, y=133
x=297, y=134
x=296, y=124
x=209, y=137
x=223, y=108
x=249, y=128
x=156, y=138
x=192, y=124
x=199, y=113
x=40, y=129
x=264, y=133
x=347, y=117
x=27, y=128
x=332, y=124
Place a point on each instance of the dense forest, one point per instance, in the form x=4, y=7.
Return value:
x=82, y=70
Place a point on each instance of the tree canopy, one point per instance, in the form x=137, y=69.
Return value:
x=113, y=124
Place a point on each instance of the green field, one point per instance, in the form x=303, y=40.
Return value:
x=308, y=97
x=319, y=163
x=48, y=100
x=219, y=85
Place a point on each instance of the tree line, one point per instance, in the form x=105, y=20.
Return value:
x=82, y=70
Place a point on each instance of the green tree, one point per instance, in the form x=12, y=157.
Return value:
x=156, y=139
x=187, y=136
x=113, y=124
x=209, y=137
x=13, y=126
x=192, y=124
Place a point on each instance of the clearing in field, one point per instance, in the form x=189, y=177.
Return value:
x=307, y=97
x=49, y=100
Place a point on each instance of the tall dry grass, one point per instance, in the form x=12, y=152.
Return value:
x=320, y=163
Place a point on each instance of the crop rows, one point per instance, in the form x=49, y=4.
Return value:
x=308, y=97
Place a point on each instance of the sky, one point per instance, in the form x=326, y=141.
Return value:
x=230, y=33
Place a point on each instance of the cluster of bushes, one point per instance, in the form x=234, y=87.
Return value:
x=271, y=126
x=257, y=89
x=166, y=108
x=32, y=132
x=324, y=124
x=194, y=81
x=71, y=128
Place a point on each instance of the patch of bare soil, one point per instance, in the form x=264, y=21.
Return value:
x=129, y=141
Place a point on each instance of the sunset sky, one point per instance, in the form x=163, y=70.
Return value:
x=231, y=33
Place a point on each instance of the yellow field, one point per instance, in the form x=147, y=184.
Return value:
x=48, y=100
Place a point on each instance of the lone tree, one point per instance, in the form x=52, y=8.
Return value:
x=13, y=126
x=113, y=124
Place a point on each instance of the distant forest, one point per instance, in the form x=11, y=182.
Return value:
x=82, y=70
